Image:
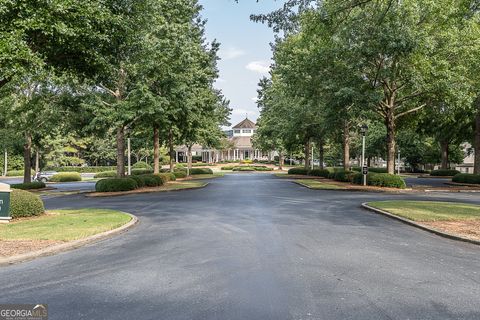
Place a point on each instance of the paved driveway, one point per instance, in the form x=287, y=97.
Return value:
x=251, y=246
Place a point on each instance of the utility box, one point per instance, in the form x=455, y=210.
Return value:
x=5, y=203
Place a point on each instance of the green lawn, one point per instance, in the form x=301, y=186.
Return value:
x=429, y=210
x=183, y=185
x=64, y=225
x=315, y=184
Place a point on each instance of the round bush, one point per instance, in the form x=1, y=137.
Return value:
x=387, y=180
x=116, y=184
x=154, y=180
x=444, y=173
x=467, y=178
x=25, y=204
x=140, y=180
x=343, y=176
x=358, y=178
x=106, y=174
x=228, y=167
x=66, y=177
x=138, y=172
x=319, y=173
x=201, y=171
x=299, y=170
x=142, y=165
x=180, y=174
x=93, y=169
x=243, y=169
x=29, y=186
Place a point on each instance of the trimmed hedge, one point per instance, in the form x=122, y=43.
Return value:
x=298, y=170
x=15, y=173
x=180, y=174
x=167, y=176
x=81, y=169
x=201, y=171
x=140, y=180
x=243, y=169
x=342, y=176
x=66, y=177
x=467, y=178
x=358, y=178
x=387, y=180
x=142, y=165
x=228, y=167
x=152, y=180
x=28, y=186
x=319, y=173
x=25, y=204
x=116, y=184
x=139, y=172
x=371, y=169
x=444, y=173
x=106, y=174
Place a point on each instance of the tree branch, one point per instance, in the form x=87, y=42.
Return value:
x=409, y=111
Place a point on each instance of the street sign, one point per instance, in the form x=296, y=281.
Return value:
x=365, y=170
x=4, y=202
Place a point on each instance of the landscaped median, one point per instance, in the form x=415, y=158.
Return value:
x=45, y=233
x=450, y=219
x=319, y=185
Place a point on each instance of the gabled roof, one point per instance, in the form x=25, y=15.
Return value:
x=245, y=124
x=242, y=142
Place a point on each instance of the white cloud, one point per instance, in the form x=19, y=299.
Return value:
x=231, y=53
x=255, y=99
x=220, y=80
x=258, y=66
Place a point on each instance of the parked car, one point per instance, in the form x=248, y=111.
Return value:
x=44, y=176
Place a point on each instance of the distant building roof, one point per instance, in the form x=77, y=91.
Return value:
x=242, y=142
x=245, y=124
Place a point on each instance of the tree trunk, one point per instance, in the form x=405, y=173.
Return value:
x=390, y=124
x=189, y=160
x=156, y=150
x=171, y=151
x=346, y=146
x=369, y=162
x=321, y=153
x=476, y=165
x=120, y=151
x=307, y=154
x=444, y=146
x=27, y=158
x=37, y=160
x=280, y=160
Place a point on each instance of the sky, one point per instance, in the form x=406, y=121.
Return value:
x=245, y=50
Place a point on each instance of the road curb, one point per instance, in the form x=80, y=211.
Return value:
x=69, y=245
x=425, y=228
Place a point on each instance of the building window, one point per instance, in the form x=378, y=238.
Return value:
x=236, y=131
x=247, y=131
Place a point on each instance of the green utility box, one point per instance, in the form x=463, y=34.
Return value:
x=5, y=203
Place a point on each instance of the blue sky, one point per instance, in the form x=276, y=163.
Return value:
x=245, y=50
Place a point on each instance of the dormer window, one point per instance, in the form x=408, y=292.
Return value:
x=247, y=131
x=236, y=131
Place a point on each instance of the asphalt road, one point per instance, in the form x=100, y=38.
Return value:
x=427, y=182
x=251, y=246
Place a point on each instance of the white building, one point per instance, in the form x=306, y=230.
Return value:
x=241, y=147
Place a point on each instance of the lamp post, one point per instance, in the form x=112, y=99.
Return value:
x=363, y=130
x=398, y=161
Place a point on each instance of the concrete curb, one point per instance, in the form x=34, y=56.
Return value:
x=425, y=228
x=127, y=193
x=69, y=245
x=400, y=191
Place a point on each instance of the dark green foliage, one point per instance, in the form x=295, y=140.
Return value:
x=66, y=177
x=180, y=174
x=243, y=169
x=373, y=169
x=29, y=186
x=155, y=180
x=116, y=184
x=140, y=180
x=444, y=173
x=319, y=173
x=25, y=204
x=201, y=171
x=387, y=180
x=142, y=165
x=138, y=172
x=467, y=178
x=343, y=176
x=358, y=178
x=15, y=173
x=228, y=167
x=106, y=174
x=299, y=170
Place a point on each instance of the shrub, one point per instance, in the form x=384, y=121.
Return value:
x=201, y=171
x=378, y=170
x=15, y=173
x=319, y=173
x=93, y=169
x=246, y=161
x=343, y=176
x=139, y=172
x=116, y=184
x=242, y=169
x=155, y=180
x=467, y=178
x=140, y=180
x=262, y=168
x=180, y=174
x=106, y=174
x=66, y=177
x=358, y=178
x=25, y=204
x=444, y=173
x=29, y=186
x=168, y=176
x=387, y=180
x=228, y=167
x=142, y=165
x=298, y=170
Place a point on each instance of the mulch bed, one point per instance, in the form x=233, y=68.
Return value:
x=10, y=248
x=465, y=228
